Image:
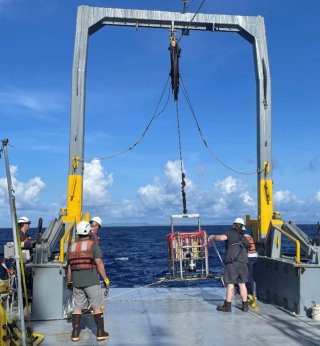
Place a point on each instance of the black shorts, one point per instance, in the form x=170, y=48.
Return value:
x=236, y=273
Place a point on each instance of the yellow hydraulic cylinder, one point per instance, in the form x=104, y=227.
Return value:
x=265, y=207
x=74, y=199
x=266, y=214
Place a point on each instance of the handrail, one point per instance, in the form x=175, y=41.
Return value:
x=66, y=237
x=298, y=252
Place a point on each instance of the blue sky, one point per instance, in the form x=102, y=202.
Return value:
x=127, y=70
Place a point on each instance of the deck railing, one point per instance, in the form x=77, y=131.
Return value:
x=298, y=251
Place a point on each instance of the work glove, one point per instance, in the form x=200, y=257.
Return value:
x=70, y=285
x=106, y=282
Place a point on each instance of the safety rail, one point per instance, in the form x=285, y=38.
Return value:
x=298, y=251
x=65, y=238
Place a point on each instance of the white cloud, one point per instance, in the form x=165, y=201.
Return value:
x=284, y=200
x=165, y=196
x=173, y=172
x=27, y=197
x=294, y=209
x=226, y=186
x=228, y=197
x=36, y=103
x=95, y=185
x=156, y=201
x=284, y=196
x=173, y=175
x=317, y=196
x=156, y=196
x=26, y=193
x=247, y=199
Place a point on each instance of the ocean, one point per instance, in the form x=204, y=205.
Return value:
x=138, y=256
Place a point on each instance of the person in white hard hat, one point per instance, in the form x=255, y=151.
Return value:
x=24, y=225
x=96, y=224
x=84, y=266
x=236, y=263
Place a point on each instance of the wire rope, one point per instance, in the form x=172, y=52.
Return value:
x=199, y=8
x=215, y=156
x=183, y=183
x=154, y=116
x=135, y=289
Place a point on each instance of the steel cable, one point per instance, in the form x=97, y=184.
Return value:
x=199, y=8
x=215, y=156
x=138, y=141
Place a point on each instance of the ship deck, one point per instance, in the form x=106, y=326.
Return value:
x=183, y=316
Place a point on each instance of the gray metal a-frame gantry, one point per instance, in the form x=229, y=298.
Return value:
x=91, y=19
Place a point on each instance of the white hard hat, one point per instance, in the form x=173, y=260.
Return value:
x=83, y=228
x=239, y=220
x=97, y=219
x=24, y=219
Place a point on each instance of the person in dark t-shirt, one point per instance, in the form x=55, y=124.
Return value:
x=24, y=225
x=236, y=263
x=84, y=266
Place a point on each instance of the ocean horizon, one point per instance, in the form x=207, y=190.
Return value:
x=137, y=256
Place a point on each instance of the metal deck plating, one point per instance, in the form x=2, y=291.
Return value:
x=181, y=317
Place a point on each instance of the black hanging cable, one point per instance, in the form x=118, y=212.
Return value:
x=175, y=89
x=154, y=116
x=184, y=91
x=175, y=78
x=183, y=176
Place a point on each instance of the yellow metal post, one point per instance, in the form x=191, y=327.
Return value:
x=296, y=241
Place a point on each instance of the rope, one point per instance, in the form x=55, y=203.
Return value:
x=216, y=157
x=220, y=258
x=137, y=288
x=183, y=183
x=138, y=141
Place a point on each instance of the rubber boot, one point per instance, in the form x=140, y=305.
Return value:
x=75, y=327
x=101, y=334
x=226, y=307
x=245, y=306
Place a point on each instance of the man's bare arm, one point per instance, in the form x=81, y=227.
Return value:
x=217, y=237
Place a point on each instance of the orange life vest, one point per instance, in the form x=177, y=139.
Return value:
x=252, y=244
x=81, y=255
